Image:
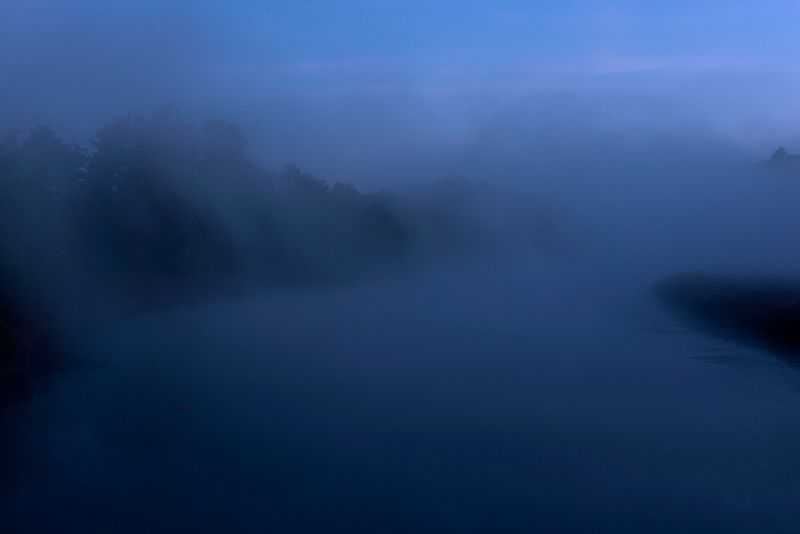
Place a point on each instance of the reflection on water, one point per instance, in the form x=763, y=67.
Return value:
x=488, y=401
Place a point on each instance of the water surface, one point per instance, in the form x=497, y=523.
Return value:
x=492, y=399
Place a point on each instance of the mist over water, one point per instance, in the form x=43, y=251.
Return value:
x=398, y=267
x=491, y=397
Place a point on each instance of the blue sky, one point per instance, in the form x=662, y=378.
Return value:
x=402, y=44
x=486, y=45
x=303, y=65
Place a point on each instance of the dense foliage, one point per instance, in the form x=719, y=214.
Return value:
x=158, y=206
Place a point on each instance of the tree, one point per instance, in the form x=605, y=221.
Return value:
x=49, y=161
x=9, y=146
x=221, y=140
x=301, y=184
x=779, y=154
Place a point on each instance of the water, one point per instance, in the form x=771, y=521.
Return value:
x=494, y=399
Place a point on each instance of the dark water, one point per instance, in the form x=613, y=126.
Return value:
x=502, y=399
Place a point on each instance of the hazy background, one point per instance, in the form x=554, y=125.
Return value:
x=511, y=388
x=376, y=91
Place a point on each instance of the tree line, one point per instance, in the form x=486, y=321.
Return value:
x=159, y=206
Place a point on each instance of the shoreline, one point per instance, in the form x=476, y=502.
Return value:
x=756, y=311
x=28, y=349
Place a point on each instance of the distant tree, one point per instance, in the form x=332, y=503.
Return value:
x=295, y=181
x=345, y=192
x=141, y=206
x=779, y=154
x=51, y=162
x=781, y=159
x=9, y=146
x=222, y=141
x=167, y=205
x=113, y=157
x=134, y=152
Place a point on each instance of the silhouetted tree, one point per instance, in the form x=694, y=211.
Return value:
x=781, y=159
x=779, y=154
x=222, y=141
x=163, y=206
x=50, y=162
x=9, y=146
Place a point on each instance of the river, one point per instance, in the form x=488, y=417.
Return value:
x=502, y=398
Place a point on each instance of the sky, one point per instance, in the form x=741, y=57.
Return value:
x=320, y=81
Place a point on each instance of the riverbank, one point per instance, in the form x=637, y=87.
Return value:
x=752, y=310
x=27, y=350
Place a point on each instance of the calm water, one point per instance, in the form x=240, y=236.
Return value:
x=495, y=399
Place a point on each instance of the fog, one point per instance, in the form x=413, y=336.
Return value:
x=398, y=266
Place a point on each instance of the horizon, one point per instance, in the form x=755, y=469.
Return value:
x=337, y=88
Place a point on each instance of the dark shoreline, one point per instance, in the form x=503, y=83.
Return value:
x=756, y=311
x=28, y=357
x=28, y=348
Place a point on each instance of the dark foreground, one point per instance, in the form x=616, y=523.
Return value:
x=762, y=311
x=28, y=359
x=484, y=400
